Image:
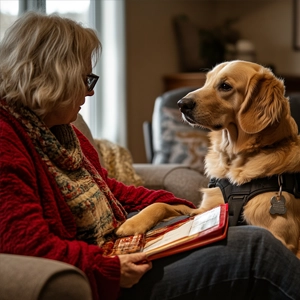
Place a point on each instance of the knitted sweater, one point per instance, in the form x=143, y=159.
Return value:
x=35, y=219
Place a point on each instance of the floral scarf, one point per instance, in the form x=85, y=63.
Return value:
x=96, y=211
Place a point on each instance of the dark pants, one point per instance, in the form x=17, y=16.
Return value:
x=249, y=264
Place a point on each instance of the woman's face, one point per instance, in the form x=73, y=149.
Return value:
x=68, y=114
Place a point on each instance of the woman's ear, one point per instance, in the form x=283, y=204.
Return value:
x=263, y=104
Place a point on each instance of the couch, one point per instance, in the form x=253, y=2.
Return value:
x=30, y=278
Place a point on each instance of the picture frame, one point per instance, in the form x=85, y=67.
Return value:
x=296, y=21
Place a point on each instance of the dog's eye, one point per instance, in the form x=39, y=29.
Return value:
x=225, y=87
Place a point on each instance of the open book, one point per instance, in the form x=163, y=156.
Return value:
x=183, y=235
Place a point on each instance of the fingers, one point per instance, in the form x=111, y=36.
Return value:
x=138, y=257
x=133, y=267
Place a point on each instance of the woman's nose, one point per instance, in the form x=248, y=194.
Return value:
x=90, y=93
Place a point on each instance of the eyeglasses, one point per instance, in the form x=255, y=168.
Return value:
x=91, y=81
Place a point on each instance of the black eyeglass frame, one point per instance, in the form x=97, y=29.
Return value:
x=91, y=80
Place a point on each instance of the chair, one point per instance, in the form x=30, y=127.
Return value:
x=168, y=139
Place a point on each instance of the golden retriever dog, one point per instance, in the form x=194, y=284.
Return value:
x=253, y=136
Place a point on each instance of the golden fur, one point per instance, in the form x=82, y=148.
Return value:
x=150, y=216
x=252, y=135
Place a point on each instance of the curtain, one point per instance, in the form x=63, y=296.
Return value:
x=107, y=112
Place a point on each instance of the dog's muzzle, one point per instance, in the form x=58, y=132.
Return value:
x=186, y=106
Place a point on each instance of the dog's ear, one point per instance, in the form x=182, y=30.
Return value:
x=263, y=104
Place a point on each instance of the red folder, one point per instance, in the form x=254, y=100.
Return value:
x=184, y=235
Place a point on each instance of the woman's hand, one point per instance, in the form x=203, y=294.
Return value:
x=133, y=267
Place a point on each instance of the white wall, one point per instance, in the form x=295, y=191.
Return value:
x=269, y=25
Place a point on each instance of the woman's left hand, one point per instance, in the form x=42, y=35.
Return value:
x=133, y=267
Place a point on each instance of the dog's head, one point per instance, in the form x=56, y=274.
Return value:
x=239, y=93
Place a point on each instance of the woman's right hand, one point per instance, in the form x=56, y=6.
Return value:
x=133, y=267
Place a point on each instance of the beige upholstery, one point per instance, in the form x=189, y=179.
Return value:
x=30, y=278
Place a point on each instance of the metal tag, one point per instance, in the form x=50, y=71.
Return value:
x=278, y=205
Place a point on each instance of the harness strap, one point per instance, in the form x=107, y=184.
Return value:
x=237, y=196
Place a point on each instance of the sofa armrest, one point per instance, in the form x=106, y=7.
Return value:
x=179, y=179
x=30, y=278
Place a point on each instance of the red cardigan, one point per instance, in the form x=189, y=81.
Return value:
x=36, y=221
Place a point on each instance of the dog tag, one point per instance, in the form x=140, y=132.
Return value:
x=278, y=205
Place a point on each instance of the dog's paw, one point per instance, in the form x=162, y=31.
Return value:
x=181, y=209
x=124, y=230
x=131, y=226
x=197, y=211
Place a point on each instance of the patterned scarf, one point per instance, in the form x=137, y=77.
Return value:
x=96, y=211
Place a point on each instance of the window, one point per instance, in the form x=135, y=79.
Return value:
x=76, y=10
x=9, y=11
x=105, y=112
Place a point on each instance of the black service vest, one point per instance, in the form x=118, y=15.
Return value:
x=238, y=195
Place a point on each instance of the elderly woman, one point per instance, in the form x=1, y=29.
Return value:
x=57, y=202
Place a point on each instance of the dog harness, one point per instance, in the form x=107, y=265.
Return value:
x=237, y=196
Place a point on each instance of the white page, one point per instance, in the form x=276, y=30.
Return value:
x=206, y=220
x=198, y=224
x=172, y=235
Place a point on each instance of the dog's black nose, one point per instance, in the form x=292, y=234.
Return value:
x=186, y=104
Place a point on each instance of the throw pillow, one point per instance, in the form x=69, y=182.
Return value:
x=186, y=144
x=118, y=162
